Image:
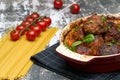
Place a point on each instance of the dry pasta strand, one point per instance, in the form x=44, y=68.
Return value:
x=19, y=56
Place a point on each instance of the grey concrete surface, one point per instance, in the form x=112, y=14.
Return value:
x=13, y=11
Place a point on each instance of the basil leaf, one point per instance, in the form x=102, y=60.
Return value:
x=118, y=26
x=89, y=38
x=67, y=45
x=73, y=47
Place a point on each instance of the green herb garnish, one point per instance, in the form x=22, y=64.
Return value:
x=112, y=42
x=109, y=44
x=73, y=47
x=76, y=28
x=66, y=44
x=91, y=21
x=104, y=19
x=109, y=27
x=92, y=48
x=118, y=26
x=89, y=38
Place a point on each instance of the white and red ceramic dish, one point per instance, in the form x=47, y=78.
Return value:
x=87, y=63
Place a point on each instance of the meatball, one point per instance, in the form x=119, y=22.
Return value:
x=112, y=34
x=108, y=50
x=83, y=50
x=95, y=24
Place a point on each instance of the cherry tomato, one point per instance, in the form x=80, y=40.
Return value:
x=14, y=35
x=42, y=25
x=47, y=20
x=36, y=29
x=20, y=28
x=31, y=35
x=58, y=4
x=35, y=15
x=74, y=8
x=30, y=19
x=25, y=23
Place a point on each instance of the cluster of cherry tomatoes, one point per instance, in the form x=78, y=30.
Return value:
x=32, y=26
x=74, y=8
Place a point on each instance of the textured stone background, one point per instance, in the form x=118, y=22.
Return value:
x=13, y=11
